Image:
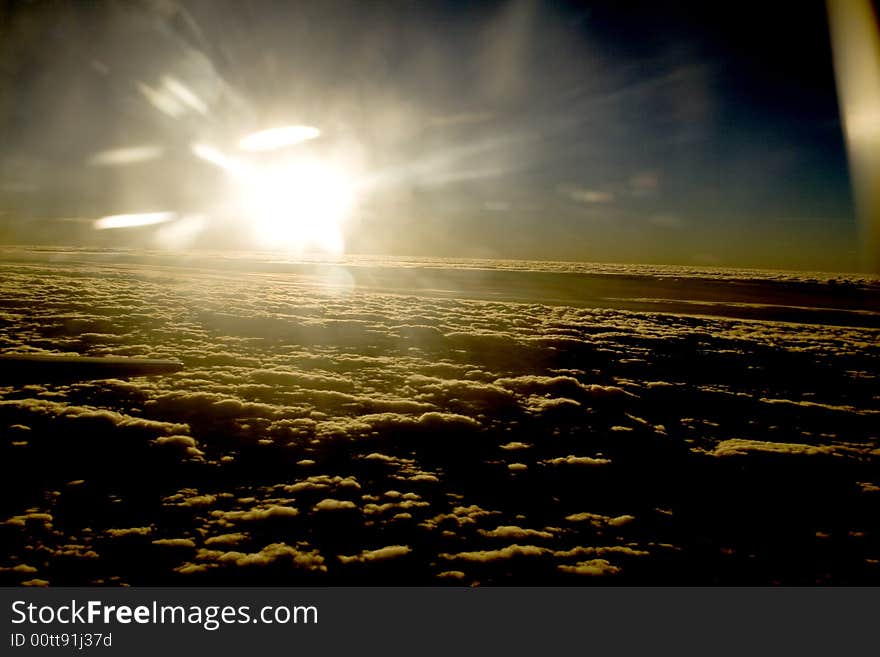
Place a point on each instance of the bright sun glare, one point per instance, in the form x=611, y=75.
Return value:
x=298, y=205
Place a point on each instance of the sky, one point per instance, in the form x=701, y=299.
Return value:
x=643, y=132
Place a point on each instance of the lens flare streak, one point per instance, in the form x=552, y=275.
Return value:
x=133, y=220
x=275, y=138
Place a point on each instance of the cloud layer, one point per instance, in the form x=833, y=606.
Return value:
x=357, y=434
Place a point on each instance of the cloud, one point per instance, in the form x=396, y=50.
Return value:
x=459, y=517
x=515, y=533
x=451, y=421
x=322, y=483
x=275, y=553
x=591, y=568
x=227, y=539
x=577, y=460
x=508, y=552
x=602, y=550
x=258, y=514
x=742, y=447
x=811, y=405
x=375, y=456
x=45, y=519
x=559, y=386
x=190, y=497
x=97, y=418
x=21, y=568
x=330, y=504
x=398, y=503
x=185, y=444
x=598, y=520
x=175, y=542
x=514, y=445
x=129, y=531
x=537, y=404
x=73, y=551
x=308, y=381
x=381, y=554
x=471, y=394
x=456, y=575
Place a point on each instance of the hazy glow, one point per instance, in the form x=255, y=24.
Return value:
x=182, y=233
x=122, y=156
x=267, y=140
x=299, y=205
x=514, y=129
x=133, y=220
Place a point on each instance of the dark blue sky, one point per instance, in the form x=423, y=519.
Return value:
x=679, y=132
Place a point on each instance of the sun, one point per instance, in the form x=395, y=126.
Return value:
x=294, y=203
x=298, y=205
